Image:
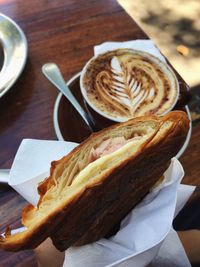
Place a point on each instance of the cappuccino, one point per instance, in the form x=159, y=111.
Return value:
x=126, y=83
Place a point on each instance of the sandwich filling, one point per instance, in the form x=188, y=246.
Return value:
x=109, y=146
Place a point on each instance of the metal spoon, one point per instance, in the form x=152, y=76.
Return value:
x=53, y=74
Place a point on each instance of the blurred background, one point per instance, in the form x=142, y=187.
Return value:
x=174, y=26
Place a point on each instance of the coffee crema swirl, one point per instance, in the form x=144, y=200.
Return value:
x=126, y=83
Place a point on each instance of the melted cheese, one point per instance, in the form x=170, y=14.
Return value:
x=102, y=164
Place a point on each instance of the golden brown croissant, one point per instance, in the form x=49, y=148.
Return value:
x=90, y=190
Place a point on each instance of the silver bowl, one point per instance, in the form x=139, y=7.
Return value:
x=15, y=49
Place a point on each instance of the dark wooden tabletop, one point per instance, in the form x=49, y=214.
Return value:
x=63, y=32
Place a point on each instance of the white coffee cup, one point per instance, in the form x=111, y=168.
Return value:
x=144, y=61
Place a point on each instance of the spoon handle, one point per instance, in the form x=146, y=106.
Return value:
x=53, y=74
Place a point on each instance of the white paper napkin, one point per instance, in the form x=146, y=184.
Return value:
x=32, y=164
x=142, y=232
x=142, y=45
x=138, y=240
x=171, y=253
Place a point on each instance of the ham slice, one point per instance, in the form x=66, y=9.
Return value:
x=109, y=146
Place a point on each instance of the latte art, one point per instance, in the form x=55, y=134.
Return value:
x=125, y=83
x=121, y=88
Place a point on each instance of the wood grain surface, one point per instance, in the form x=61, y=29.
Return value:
x=63, y=32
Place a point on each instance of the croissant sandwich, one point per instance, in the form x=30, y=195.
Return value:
x=90, y=190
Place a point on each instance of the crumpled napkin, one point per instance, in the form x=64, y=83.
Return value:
x=32, y=164
x=142, y=45
x=171, y=253
x=138, y=240
x=144, y=233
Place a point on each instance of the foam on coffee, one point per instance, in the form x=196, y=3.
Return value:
x=125, y=83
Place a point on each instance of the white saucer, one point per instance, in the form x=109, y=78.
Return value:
x=15, y=51
x=59, y=133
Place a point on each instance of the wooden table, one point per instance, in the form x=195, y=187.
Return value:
x=64, y=32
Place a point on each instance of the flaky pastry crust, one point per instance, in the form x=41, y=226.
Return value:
x=83, y=213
